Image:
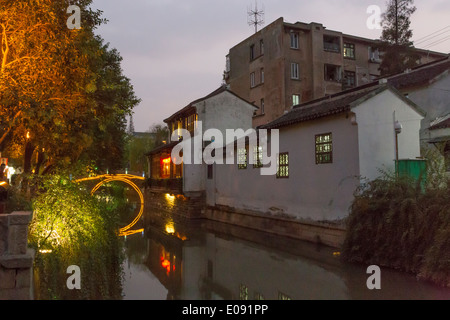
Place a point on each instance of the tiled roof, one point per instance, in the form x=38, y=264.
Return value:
x=334, y=104
x=419, y=76
x=189, y=109
x=441, y=123
x=163, y=147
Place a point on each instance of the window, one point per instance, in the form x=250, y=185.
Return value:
x=262, y=106
x=257, y=157
x=252, y=52
x=259, y=296
x=242, y=158
x=296, y=98
x=324, y=148
x=261, y=47
x=227, y=64
x=210, y=171
x=282, y=296
x=165, y=167
x=261, y=75
x=243, y=292
x=283, y=165
x=331, y=44
x=374, y=55
x=349, y=50
x=349, y=79
x=294, y=71
x=252, y=79
x=332, y=73
x=191, y=122
x=294, y=40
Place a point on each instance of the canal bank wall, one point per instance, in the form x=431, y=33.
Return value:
x=193, y=206
x=16, y=259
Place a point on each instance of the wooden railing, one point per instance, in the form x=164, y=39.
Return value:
x=175, y=185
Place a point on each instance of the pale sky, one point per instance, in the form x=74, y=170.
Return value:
x=174, y=51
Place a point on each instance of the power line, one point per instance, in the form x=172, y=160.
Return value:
x=420, y=39
x=428, y=39
x=437, y=42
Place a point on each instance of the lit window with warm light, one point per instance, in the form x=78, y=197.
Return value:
x=165, y=167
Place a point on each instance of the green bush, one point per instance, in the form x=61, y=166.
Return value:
x=71, y=227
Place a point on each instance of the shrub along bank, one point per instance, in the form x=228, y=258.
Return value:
x=395, y=223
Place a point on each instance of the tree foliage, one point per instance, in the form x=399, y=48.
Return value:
x=71, y=227
x=63, y=96
x=396, y=37
x=139, y=145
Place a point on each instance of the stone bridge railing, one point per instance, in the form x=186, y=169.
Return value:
x=16, y=260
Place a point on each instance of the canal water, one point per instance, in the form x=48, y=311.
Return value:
x=205, y=260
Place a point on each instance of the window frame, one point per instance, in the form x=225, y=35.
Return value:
x=338, y=72
x=283, y=174
x=252, y=80
x=331, y=45
x=294, y=40
x=257, y=157
x=298, y=97
x=242, y=166
x=252, y=52
x=352, y=49
x=352, y=74
x=295, y=71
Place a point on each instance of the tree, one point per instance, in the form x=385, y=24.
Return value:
x=396, y=37
x=160, y=133
x=139, y=146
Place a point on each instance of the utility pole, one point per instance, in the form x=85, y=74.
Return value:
x=255, y=16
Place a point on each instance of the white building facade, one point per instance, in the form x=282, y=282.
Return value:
x=326, y=149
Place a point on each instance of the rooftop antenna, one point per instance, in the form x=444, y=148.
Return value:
x=255, y=16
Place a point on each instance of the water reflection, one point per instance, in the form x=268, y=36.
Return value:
x=206, y=260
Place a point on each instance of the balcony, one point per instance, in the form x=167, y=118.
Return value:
x=332, y=44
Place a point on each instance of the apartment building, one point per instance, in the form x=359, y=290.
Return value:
x=287, y=64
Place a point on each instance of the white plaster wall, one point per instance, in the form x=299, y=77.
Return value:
x=375, y=118
x=317, y=192
x=223, y=111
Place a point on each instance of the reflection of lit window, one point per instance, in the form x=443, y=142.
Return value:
x=259, y=296
x=282, y=296
x=242, y=158
x=257, y=157
x=170, y=200
x=165, y=261
x=170, y=228
x=243, y=292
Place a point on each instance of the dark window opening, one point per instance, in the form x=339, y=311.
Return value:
x=332, y=73
x=331, y=44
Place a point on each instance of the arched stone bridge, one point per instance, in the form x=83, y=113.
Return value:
x=126, y=178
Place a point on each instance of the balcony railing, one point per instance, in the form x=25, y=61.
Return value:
x=332, y=47
x=175, y=185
